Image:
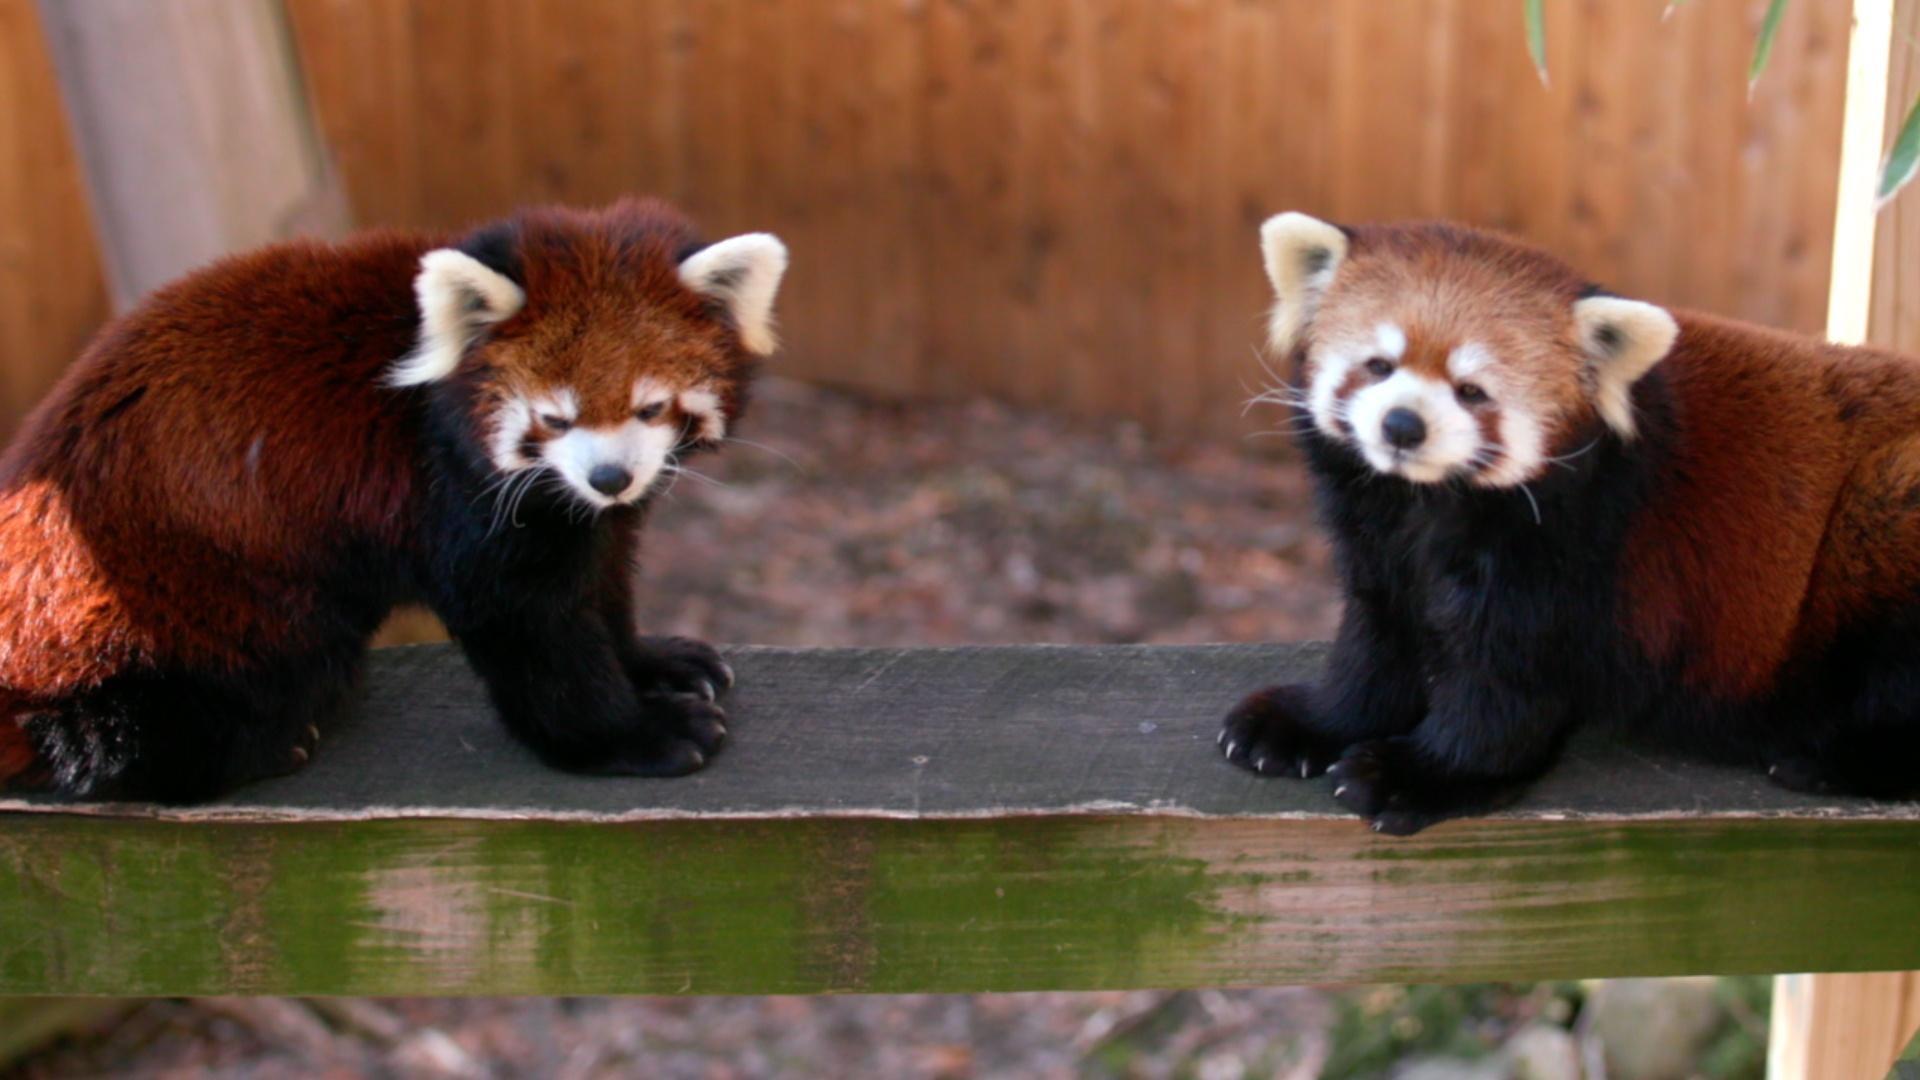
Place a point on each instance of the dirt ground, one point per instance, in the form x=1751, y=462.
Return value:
x=846, y=522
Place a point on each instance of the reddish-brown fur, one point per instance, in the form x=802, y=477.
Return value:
x=206, y=429
x=1715, y=537
x=180, y=499
x=1790, y=506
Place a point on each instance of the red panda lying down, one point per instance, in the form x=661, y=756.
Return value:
x=1552, y=506
x=213, y=511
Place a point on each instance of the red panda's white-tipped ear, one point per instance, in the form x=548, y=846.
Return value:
x=1301, y=254
x=744, y=274
x=459, y=297
x=1623, y=339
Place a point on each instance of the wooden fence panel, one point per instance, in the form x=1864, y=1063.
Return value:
x=1056, y=201
x=52, y=292
x=1051, y=201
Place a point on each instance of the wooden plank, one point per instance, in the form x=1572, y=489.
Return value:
x=192, y=120
x=928, y=820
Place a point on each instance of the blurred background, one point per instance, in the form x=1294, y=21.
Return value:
x=1019, y=333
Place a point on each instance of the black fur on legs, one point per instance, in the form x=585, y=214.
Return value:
x=1478, y=631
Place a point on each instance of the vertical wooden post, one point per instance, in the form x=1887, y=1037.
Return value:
x=1844, y=1027
x=192, y=121
x=1841, y=1027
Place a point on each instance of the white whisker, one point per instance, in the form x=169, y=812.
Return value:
x=1535, y=503
x=682, y=470
x=776, y=452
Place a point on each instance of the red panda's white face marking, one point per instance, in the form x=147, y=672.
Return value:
x=1420, y=405
x=1411, y=424
x=590, y=349
x=605, y=464
x=1440, y=354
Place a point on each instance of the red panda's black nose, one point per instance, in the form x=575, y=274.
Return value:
x=609, y=479
x=1403, y=429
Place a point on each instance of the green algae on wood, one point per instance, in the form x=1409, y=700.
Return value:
x=933, y=820
x=423, y=906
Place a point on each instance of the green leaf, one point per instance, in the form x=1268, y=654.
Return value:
x=1903, y=159
x=1537, y=37
x=1763, y=45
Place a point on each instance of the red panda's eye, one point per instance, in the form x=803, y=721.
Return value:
x=646, y=414
x=1379, y=367
x=556, y=423
x=1470, y=393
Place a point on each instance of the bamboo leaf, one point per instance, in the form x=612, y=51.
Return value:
x=1903, y=160
x=1537, y=37
x=1763, y=45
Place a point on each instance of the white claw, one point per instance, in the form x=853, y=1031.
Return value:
x=1377, y=826
x=1304, y=769
x=1773, y=770
x=706, y=690
x=1231, y=747
x=1220, y=739
x=1259, y=764
x=1339, y=791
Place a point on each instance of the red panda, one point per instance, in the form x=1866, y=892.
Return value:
x=206, y=520
x=1552, y=506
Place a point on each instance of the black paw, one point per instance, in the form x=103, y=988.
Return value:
x=678, y=665
x=1267, y=733
x=1382, y=781
x=299, y=752
x=682, y=733
x=1802, y=774
x=694, y=717
x=663, y=756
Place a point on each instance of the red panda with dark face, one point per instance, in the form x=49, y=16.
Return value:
x=205, y=522
x=1553, y=506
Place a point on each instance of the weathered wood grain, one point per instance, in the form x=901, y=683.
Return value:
x=940, y=819
x=1056, y=202
x=1837, y=1027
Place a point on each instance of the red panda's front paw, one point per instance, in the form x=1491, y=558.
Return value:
x=1267, y=733
x=691, y=716
x=679, y=665
x=657, y=756
x=1801, y=774
x=672, y=735
x=304, y=745
x=1380, y=780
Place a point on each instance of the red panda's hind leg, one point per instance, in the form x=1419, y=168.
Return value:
x=1856, y=729
x=175, y=737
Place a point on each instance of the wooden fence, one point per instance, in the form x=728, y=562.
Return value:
x=1053, y=201
x=52, y=294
